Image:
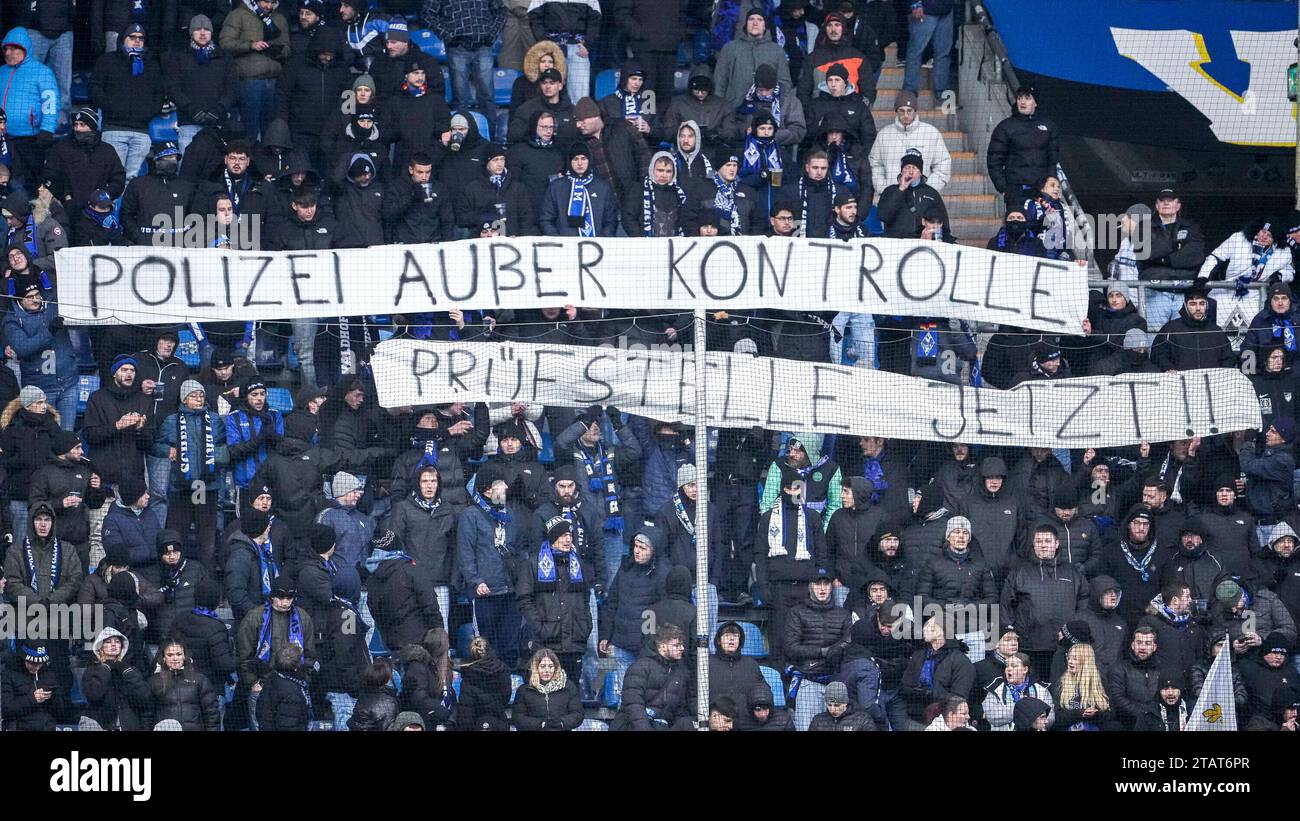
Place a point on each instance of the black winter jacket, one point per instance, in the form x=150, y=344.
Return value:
x=556, y=611
x=186, y=696
x=375, y=711
x=634, y=590
x=128, y=102
x=656, y=684
x=816, y=634
x=1022, y=150
x=76, y=170
x=403, y=602
x=536, y=710
x=210, y=645
x=953, y=675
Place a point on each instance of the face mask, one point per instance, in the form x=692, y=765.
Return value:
x=166, y=166
x=1016, y=230
x=85, y=137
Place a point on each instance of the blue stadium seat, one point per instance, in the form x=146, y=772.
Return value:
x=163, y=128
x=755, y=644
x=446, y=86
x=280, y=399
x=683, y=56
x=516, y=681
x=502, y=125
x=481, y=122
x=463, y=637
x=86, y=385
x=503, y=81
x=547, y=454
x=377, y=647
x=773, y=679
x=188, y=349
x=606, y=83
x=80, y=88
x=430, y=43
x=607, y=692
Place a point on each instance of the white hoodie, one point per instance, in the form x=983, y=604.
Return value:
x=892, y=143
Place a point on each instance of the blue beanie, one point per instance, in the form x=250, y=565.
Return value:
x=123, y=359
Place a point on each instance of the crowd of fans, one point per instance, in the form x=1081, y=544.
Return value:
x=241, y=554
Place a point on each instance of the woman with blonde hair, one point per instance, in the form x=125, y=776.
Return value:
x=549, y=700
x=1080, y=694
x=1007, y=690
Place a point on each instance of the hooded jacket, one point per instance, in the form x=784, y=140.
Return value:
x=733, y=75
x=1110, y=630
x=557, y=610
x=525, y=85
x=117, y=693
x=25, y=442
x=895, y=139
x=634, y=590
x=359, y=210
x=18, y=691
x=850, y=536
x=778, y=719
x=17, y=571
x=26, y=88
x=421, y=692
x=654, y=684
x=734, y=675
x=816, y=634
x=513, y=201
x=402, y=599
x=1199, y=568
x=534, y=164
x=429, y=535
x=77, y=169
x=33, y=335
x=1132, y=684
x=994, y=519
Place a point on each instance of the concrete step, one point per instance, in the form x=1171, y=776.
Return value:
x=965, y=162
x=885, y=100
x=974, y=231
x=967, y=183
x=970, y=205
x=892, y=78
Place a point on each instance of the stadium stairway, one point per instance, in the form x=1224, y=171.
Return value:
x=974, y=207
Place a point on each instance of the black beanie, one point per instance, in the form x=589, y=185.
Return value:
x=122, y=589
x=117, y=555
x=322, y=539
x=207, y=593
x=166, y=538
x=63, y=441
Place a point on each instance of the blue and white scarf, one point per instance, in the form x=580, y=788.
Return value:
x=264, y=632
x=724, y=202
x=841, y=174
x=803, y=202
x=580, y=204
x=500, y=515
x=631, y=103
x=137, y=59
x=570, y=515
x=183, y=448
x=760, y=155
x=601, y=478
x=56, y=563
x=927, y=341
x=1143, y=565
x=773, y=101
x=776, y=533
x=270, y=570
x=546, y=567
x=430, y=456
x=1284, y=329
x=679, y=508
x=202, y=54
x=648, y=205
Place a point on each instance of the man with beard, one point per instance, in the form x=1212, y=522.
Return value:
x=1192, y=340
x=118, y=423
x=489, y=541
x=819, y=474
x=252, y=431
x=1133, y=561
x=675, y=523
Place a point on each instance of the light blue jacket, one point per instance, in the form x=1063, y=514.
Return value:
x=29, y=92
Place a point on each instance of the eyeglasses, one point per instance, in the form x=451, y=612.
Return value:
x=786, y=218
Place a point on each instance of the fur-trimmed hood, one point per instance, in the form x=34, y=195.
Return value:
x=534, y=55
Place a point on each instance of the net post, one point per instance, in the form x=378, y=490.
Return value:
x=701, y=526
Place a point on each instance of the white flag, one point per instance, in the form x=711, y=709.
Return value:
x=1216, y=709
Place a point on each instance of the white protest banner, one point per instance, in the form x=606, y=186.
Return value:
x=142, y=285
x=784, y=394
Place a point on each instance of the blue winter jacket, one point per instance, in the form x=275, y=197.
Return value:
x=29, y=92
x=29, y=334
x=241, y=428
x=138, y=532
x=476, y=553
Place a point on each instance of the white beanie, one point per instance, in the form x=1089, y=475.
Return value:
x=956, y=523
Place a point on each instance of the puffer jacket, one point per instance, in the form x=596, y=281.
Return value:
x=778, y=720
x=994, y=518
x=538, y=709
x=26, y=88
x=656, y=690
x=283, y=704
x=18, y=690
x=1023, y=149
x=1131, y=685
x=209, y=643
x=185, y=695
x=52, y=483
x=128, y=100
x=816, y=634
x=117, y=694
x=634, y=590
x=137, y=532
x=853, y=719
x=953, y=579
x=25, y=443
